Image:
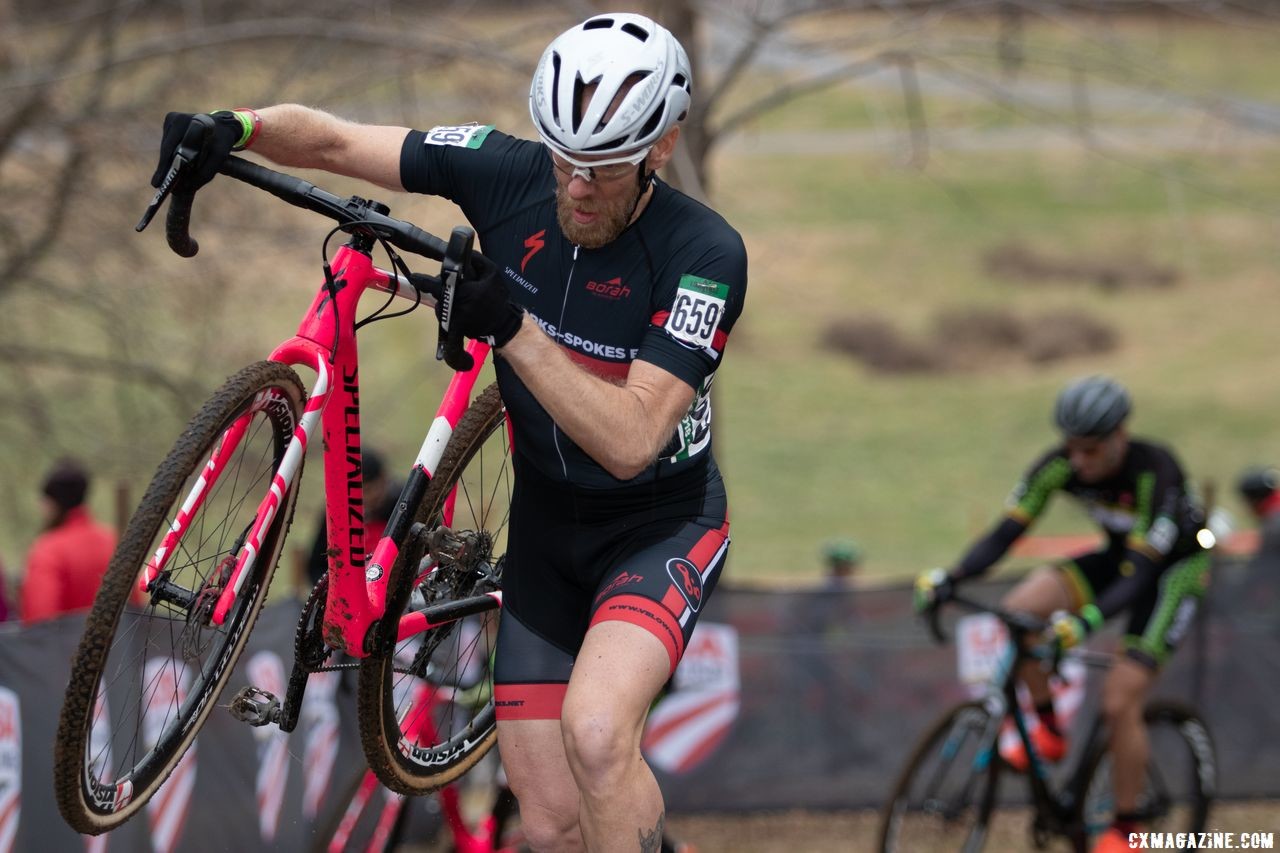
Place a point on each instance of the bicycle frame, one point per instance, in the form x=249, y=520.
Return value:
x=326, y=343
x=481, y=839
x=1060, y=805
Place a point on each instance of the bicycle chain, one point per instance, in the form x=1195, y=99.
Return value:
x=309, y=648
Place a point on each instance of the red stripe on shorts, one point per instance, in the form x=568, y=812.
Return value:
x=706, y=547
x=529, y=701
x=647, y=614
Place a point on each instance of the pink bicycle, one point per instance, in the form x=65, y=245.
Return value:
x=195, y=562
x=374, y=823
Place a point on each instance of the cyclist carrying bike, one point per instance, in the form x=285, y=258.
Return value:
x=1151, y=564
x=609, y=297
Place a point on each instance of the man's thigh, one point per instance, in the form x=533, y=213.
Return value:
x=1041, y=593
x=618, y=673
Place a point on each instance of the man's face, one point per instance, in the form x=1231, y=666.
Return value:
x=1095, y=458
x=593, y=213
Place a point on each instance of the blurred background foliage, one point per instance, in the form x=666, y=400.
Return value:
x=951, y=208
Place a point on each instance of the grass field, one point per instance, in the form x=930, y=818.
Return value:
x=814, y=444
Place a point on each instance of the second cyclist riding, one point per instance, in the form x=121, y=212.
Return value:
x=194, y=565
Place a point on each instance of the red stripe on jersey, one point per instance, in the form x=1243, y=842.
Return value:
x=598, y=366
x=529, y=701
x=718, y=340
x=646, y=614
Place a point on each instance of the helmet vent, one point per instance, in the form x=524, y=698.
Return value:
x=637, y=31
x=598, y=24
x=652, y=123
x=555, y=87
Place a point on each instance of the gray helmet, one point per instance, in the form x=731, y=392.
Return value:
x=1092, y=406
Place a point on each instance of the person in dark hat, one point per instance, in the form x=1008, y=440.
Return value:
x=66, y=562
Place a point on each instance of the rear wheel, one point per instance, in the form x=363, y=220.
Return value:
x=148, y=667
x=944, y=797
x=1181, y=775
x=426, y=710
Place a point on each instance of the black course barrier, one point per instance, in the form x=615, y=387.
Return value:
x=789, y=699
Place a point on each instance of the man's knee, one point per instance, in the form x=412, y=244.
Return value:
x=1124, y=692
x=548, y=813
x=599, y=744
x=545, y=830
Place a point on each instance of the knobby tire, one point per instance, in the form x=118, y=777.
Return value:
x=104, y=773
x=477, y=449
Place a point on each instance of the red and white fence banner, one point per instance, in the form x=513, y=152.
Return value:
x=10, y=768
x=320, y=721
x=690, y=721
x=167, y=810
x=266, y=671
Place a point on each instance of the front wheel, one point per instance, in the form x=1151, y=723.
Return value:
x=148, y=667
x=426, y=710
x=1181, y=776
x=945, y=794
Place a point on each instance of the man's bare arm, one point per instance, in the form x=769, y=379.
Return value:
x=294, y=135
x=622, y=427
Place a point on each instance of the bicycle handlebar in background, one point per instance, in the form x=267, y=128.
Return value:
x=1021, y=623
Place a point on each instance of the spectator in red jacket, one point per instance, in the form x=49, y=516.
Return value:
x=67, y=561
x=4, y=594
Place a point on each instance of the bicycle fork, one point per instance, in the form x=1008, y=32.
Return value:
x=228, y=579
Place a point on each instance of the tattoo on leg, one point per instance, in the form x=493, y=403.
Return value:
x=651, y=841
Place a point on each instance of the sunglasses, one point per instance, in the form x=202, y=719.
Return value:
x=602, y=171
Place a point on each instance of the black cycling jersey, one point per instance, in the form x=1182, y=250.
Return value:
x=1145, y=509
x=666, y=291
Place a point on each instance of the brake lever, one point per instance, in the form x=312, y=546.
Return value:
x=449, y=347
x=187, y=151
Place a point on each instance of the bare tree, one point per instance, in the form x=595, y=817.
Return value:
x=108, y=342
x=752, y=57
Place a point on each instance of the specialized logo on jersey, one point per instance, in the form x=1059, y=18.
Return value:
x=695, y=315
x=534, y=243
x=687, y=579
x=613, y=289
x=460, y=135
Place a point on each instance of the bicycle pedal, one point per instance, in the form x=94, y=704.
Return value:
x=255, y=707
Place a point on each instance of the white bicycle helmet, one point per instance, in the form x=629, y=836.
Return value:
x=609, y=50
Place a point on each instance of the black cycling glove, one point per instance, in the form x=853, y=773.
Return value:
x=482, y=308
x=225, y=135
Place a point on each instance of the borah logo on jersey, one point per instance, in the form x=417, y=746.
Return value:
x=687, y=579
x=612, y=289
